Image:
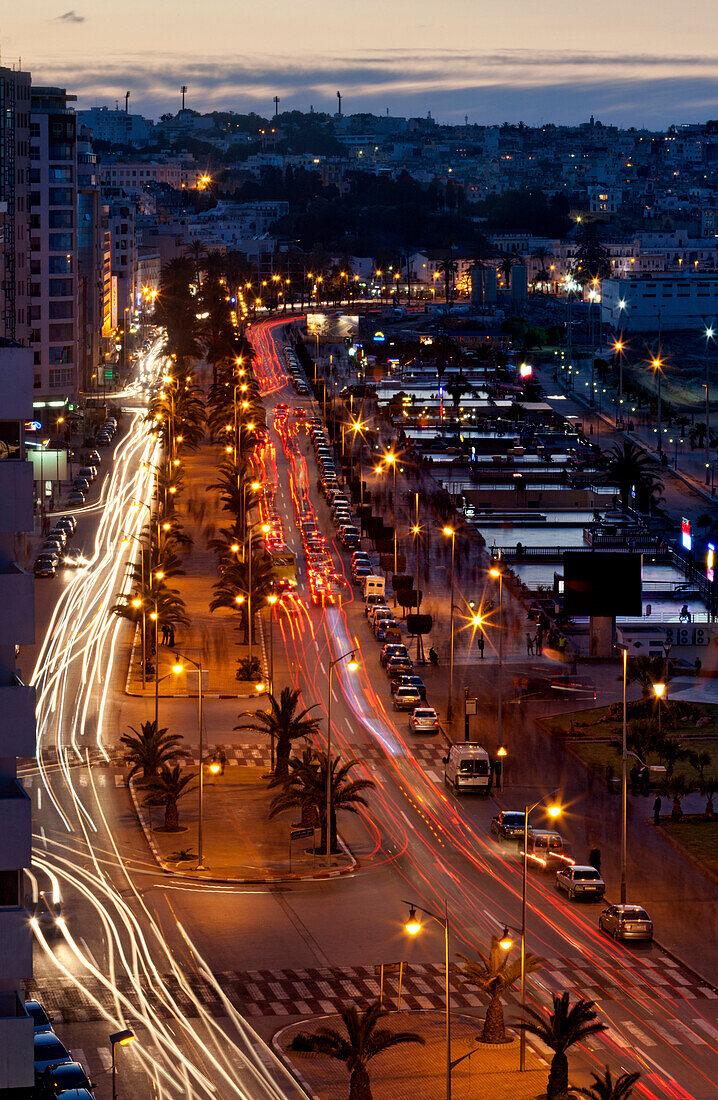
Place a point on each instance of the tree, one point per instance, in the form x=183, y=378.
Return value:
x=166, y=789
x=675, y=787
x=494, y=975
x=630, y=468
x=148, y=748
x=284, y=722
x=362, y=1043
x=306, y=788
x=591, y=259
x=646, y=671
x=605, y=1088
x=563, y=1028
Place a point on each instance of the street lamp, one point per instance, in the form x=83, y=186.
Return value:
x=619, y=346
x=177, y=668
x=390, y=460
x=451, y=533
x=554, y=810
x=495, y=572
x=657, y=366
x=659, y=690
x=709, y=334
x=352, y=665
x=119, y=1039
x=413, y=927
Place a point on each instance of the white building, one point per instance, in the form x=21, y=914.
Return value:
x=133, y=176
x=115, y=126
x=667, y=301
x=17, y=720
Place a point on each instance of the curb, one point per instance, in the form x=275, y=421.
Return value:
x=269, y=880
x=710, y=875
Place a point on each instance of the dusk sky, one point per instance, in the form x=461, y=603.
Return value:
x=636, y=63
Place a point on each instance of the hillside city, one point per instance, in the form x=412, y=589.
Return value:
x=359, y=658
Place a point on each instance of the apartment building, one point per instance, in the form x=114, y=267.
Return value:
x=115, y=126
x=14, y=171
x=17, y=719
x=133, y=176
x=54, y=331
x=91, y=260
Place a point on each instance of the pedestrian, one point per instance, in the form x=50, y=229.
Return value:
x=171, y=636
x=657, y=810
x=643, y=779
x=595, y=858
x=529, y=645
x=165, y=634
x=497, y=769
x=480, y=643
x=562, y=647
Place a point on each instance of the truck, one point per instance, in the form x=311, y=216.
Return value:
x=373, y=586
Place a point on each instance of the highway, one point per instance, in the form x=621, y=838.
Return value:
x=159, y=955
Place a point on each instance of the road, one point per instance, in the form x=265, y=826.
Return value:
x=168, y=957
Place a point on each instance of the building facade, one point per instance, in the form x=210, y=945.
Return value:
x=116, y=127
x=91, y=230
x=17, y=719
x=668, y=301
x=54, y=321
x=14, y=172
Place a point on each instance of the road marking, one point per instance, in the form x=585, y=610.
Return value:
x=639, y=1034
x=42, y=834
x=689, y=1033
x=665, y=1034
x=105, y=1057
x=708, y=1028
x=335, y=697
x=39, y=798
x=321, y=665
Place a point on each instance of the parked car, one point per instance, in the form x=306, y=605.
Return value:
x=508, y=825
x=59, y=1080
x=626, y=922
x=403, y=665
x=49, y=1051
x=406, y=698
x=68, y=523
x=58, y=532
x=580, y=882
x=382, y=626
x=76, y=497
x=89, y=472
x=378, y=610
x=41, y=1020
x=424, y=719
x=94, y=458
x=52, y=546
x=393, y=649
x=81, y=485
x=403, y=680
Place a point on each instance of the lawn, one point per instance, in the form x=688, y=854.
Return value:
x=699, y=838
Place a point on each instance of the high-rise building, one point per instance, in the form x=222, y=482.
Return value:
x=91, y=230
x=116, y=127
x=17, y=718
x=14, y=170
x=54, y=318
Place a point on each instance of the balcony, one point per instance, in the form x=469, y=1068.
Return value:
x=16, y=495
x=16, y=1044
x=17, y=600
x=17, y=721
x=15, y=826
x=16, y=940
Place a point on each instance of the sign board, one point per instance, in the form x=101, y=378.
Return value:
x=471, y=706
x=301, y=834
x=113, y=302
x=710, y=563
x=686, y=537
x=48, y=465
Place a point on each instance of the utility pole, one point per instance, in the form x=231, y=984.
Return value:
x=127, y=103
x=276, y=105
x=183, y=90
x=339, y=97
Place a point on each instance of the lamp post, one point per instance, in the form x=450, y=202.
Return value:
x=177, y=668
x=451, y=533
x=390, y=460
x=495, y=572
x=659, y=690
x=119, y=1039
x=657, y=365
x=553, y=811
x=624, y=787
x=709, y=334
x=352, y=665
x=413, y=926
x=265, y=529
x=272, y=600
x=622, y=303
x=140, y=603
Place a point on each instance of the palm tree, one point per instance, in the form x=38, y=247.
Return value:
x=565, y=1026
x=306, y=788
x=646, y=671
x=493, y=974
x=675, y=787
x=231, y=589
x=630, y=468
x=165, y=789
x=284, y=722
x=448, y=268
x=363, y=1042
x=605, y=1088
x=148, y=748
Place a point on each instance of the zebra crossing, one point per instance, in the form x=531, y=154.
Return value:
x=318, y=990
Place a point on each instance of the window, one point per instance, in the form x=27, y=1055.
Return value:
x=60, y=265
x=61, y=378
x=61, y=310
x=60, y=242
x=60, y=150
x=9, y=888
x=60, y=288
x=60, y=196
x=61, y=219
x=37, y=378
x=60, y=354
x=61, y=175
x=62, y=332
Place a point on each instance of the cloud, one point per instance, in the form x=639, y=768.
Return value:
x=563, y=87
x=69, y=17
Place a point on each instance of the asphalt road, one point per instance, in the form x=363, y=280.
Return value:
x=163, y=956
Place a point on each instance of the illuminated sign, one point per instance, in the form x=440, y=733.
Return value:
x=33, y=426
x=710, y=562
x=379, y=337
x=686, y=539
x=526, y=370
x=113, y=303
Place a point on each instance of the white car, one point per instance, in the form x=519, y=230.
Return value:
x=424, y=718
x=580, y=882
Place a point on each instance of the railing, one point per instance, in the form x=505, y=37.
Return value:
x=555, y=553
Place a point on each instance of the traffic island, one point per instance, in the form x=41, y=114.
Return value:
x=414, y=1072
x=240, y=843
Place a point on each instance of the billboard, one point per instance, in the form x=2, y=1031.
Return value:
x=686, y=537
x=113, y=303
x=602, y=583
x=48, y=465
x=332, y=326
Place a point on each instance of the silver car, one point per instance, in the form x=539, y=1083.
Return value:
x=406, y=698
x=580, y=882
x=424, y=718
x=626, y=922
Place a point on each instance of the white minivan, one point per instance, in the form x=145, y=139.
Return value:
x=468, y=768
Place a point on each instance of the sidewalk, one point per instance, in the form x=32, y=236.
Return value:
x=240, y=842
x=414, y=1072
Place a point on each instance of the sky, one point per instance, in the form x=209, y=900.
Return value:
x=628, y=62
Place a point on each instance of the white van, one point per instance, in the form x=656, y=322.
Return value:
x=467, y=768
x=373, y=586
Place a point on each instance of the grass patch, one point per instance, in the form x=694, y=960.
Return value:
x=699, y=838
x=598, y=754
x=606, y=722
